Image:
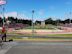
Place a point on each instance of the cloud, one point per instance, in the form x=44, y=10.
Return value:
x=41, y=12
x=22, y=16
x=15, y=14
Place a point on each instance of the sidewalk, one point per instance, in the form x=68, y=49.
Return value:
x=6, y=47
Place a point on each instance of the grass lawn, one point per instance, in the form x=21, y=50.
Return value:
x=50, y=35
x=56, y=35
x=17, y=37
x=42, y=39
x=62, y=35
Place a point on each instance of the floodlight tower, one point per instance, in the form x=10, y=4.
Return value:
x=70, y=17
x=33, y=22
x=2, y=3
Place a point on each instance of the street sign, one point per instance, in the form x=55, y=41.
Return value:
x=2, y=2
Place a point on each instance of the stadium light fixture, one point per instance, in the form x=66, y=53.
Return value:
x=32, y=22
x=2, y=3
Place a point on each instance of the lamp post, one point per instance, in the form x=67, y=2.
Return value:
x=2, y=3
x=32, y=22
x=70, y=17
x=3, y=16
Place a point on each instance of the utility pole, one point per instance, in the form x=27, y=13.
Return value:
x=33, y=22
x=3, y=15
x=2, y=3
x=70, y=17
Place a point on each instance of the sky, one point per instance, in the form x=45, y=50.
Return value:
x=57, y=9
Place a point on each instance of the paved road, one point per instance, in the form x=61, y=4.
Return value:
x=6, y=46
x=41, y=48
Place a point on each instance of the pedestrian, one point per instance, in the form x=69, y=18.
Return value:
x=4, y=34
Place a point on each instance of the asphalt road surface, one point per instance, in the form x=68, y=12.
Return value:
x=41, y=48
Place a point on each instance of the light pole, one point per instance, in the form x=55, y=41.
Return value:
x=3, y=15
x=32, y=22
x=2, y=3
x=70, y=17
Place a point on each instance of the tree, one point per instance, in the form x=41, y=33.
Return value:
x=11, y=19
x=16, y=20
x=67, y=21
x=37, y=22
x=1, y=21
x=49, y=21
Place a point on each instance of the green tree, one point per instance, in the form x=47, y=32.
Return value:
x=49, y=21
